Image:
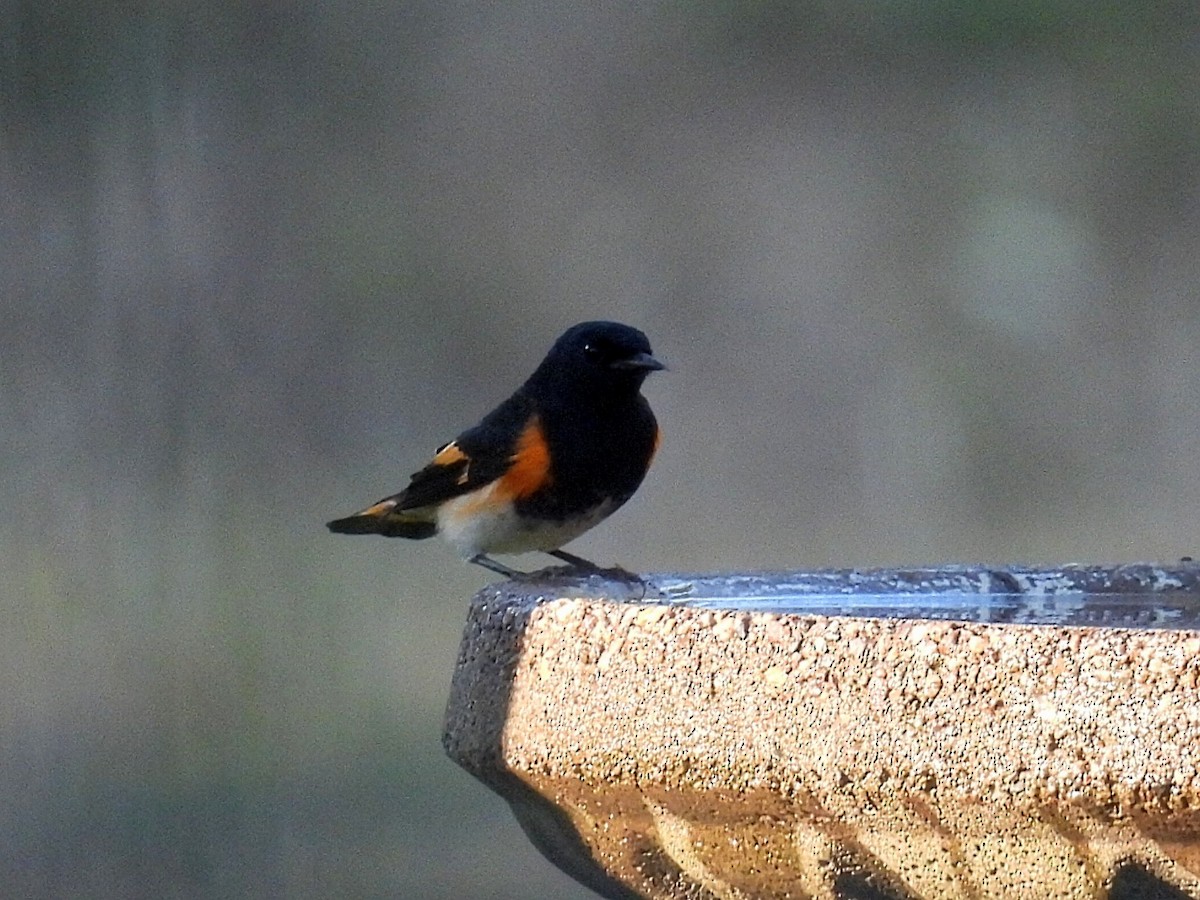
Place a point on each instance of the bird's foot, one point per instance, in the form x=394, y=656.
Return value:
x=612, y=573
x=578, y=566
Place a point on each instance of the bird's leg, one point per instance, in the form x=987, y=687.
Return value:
x=487, y=562
x=577, y=561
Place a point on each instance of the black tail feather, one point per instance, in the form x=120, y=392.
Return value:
x=385, y=525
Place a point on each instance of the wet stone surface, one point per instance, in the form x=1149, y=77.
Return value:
x=681, y=746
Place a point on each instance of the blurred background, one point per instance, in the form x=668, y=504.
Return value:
x=925, y=274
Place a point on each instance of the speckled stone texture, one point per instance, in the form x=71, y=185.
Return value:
x=664, y=751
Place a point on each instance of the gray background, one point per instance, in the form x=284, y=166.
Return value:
x=925, y=274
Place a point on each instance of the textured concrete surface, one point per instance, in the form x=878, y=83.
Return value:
x=661, y=751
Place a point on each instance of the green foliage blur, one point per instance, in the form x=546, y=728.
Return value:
x=925, y=275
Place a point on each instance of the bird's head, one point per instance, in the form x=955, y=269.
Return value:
x=602, y=357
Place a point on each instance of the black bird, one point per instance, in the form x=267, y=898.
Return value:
x=554, y=459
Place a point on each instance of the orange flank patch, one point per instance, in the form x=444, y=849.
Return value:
x=657, y=444
x=530, y=469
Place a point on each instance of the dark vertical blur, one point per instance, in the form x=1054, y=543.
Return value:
x=925, y=274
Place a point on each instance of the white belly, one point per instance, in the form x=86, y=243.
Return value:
x=474, y=525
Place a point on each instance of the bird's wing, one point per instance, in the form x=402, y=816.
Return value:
x=474, y=459
x=454, y=471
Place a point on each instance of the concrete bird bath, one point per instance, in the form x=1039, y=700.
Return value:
x=942, y=733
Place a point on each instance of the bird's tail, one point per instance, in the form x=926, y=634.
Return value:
x=384, y=519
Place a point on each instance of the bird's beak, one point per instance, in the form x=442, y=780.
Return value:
x=639, y=361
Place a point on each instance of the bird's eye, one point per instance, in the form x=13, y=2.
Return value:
x=593, y=352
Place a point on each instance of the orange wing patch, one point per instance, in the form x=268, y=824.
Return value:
x=530, y=470
x=450, y=454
